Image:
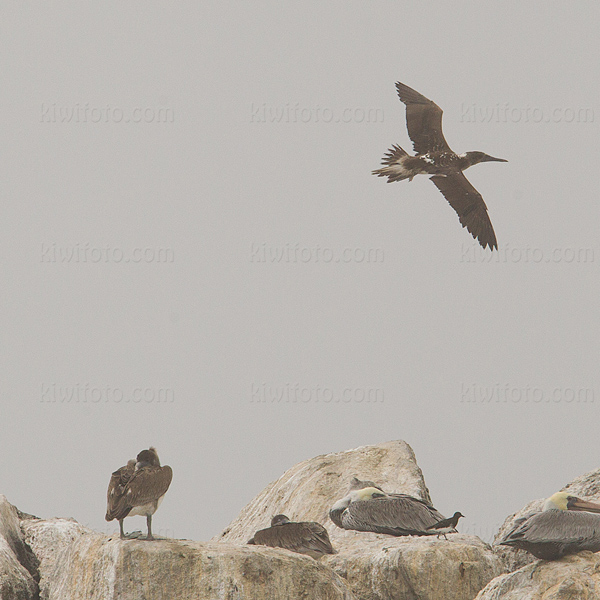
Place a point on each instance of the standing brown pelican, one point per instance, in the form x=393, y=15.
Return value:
x=445, y=526
x=369, y=508
x=306, y=537
x=138, y=489
x=434, y=157
x=556, y=530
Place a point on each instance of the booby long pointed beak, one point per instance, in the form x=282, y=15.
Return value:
x=489, y=158
x=579, y=504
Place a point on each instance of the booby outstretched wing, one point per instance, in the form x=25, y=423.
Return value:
x=423, y=121
x=469, y=206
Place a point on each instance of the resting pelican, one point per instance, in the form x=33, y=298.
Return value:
x=371, y=509
x=557, y=531
x=138, y=489
x=306, y=537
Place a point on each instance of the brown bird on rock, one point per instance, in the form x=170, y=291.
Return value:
x=304, y=537
x=138, y=489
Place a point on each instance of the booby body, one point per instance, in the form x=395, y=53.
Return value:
x=305, y=537
x=435, y=158
x=138, y=489
x=565, y=525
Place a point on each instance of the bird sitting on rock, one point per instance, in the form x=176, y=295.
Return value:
x=138, y=488
x=445, y=526
x=304, y=537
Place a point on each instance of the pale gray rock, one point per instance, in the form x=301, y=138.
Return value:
x=382, y=567
x=585, y=486
x=96, y=567
x=49, y=539
x=309, y=489
x=377, y=567
x=17, y=563
x=575, y=577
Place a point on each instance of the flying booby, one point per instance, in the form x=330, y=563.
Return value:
x=368, y=508
x=138, y=489
x=434, y=157
x=445, y=526
x=557, y=530
x=305, y=537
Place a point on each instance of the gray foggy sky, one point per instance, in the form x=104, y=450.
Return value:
x=190, y=225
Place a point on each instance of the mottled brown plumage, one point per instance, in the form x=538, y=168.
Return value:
x=138, y=489
x=305, y=537
x=435, y=158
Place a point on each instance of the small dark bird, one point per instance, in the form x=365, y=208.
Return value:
x=367, y=507
x=138, y=489
x=445, y=526
x=434, y=157
x=305, y=537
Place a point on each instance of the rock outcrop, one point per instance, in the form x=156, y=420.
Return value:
x=382, y=567
x=58, y=559
x=307, y=491
x=377, y=567
x=575, y=577
x=49, y=540
x=96, y=567
x=18, y=573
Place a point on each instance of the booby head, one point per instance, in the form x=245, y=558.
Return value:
x=566, y=501
x=477, y=157
x=279, y=520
